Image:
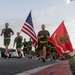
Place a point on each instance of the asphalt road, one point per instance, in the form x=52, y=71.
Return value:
x=14, y=65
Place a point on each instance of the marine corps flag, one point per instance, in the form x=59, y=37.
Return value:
x=61, y=40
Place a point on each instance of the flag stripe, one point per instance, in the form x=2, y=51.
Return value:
x=33, y=37
x=35, y=45
x=28, y=28
x=29, y=34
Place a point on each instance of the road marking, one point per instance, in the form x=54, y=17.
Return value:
x=29, y=72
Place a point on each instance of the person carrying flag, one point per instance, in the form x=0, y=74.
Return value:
x=18, y=42
x=8, y=32
x=43, y=36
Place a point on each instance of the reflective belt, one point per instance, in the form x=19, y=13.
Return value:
x=26, y=47
x=7, y=38
x=19, y=43
x=43, y=41
x=52, y=47
x=29, y=46
x=49, y=45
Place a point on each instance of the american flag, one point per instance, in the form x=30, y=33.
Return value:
x=28, y=28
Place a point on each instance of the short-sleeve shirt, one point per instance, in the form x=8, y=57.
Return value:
x=29, y=43
x=25, y=44
x=45, y=33
x=18, y=41
x=6, y=32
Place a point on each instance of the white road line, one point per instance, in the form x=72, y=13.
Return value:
x=29, y=72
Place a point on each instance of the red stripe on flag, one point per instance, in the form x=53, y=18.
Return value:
x=27, y=25
x=30, y=31
x=32, y=35
x=28, y=28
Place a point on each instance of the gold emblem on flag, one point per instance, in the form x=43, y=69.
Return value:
x=63, y=39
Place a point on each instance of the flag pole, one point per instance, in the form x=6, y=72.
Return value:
x=20, y=31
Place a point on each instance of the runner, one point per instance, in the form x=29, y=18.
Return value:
x=25, y=48
x=48, y=50
x=18, y=42
x=43, y=37
x=30, y=48
x=8, y=32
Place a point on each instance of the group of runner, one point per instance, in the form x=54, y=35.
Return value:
x=45, y=47
x=27, y=46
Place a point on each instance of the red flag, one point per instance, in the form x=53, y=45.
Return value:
x=61, y=40
x=28, y=28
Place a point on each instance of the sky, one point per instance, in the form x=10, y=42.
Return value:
x=48, y=12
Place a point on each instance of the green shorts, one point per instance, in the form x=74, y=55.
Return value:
x=25, y=50
x=41, y=45
x=48, y=49
x=18, y=45
x=53, y=50
x=6, y=42
x=29, y=48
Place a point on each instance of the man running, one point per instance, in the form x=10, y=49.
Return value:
x=30, y=48
x=43, y=36
x=25, y=48
x=8, y=32
x=18, y=42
